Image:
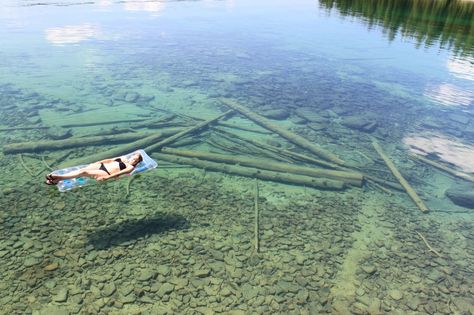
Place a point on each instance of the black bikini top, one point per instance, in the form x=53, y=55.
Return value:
x=121, y=164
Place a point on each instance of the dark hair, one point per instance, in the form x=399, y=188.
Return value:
x=140, y=158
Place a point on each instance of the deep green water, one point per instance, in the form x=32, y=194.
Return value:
x=180, y=240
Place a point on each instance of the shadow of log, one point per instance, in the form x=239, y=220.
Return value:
x=131, y=230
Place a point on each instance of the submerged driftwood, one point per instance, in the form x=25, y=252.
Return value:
x=123, y=149
x=147, y=143
x=290, y=136
x=444, y=168
x=308, y=159
x=181, y=134
x=351, y=178
x=281, y=151
x=235, y=126
x=320, y=183
x=410, y=191
x=252, y=148
x=257, y=219
x=39, y=146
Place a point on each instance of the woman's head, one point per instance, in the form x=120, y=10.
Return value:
x=135, y=159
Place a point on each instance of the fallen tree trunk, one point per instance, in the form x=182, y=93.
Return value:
x=100, y=123
x=123, y=149
x=290, y=136
x=39, y=146
x=410, y=191
x=23, y=128
x=283, y=152
x=351, y=178
x=250, y=148
x=320, y=183
x=235, y=126
x=308, y=159
x=384, y=182
x=443, y=168
x=180, y=134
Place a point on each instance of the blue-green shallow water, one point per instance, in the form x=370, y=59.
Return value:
x=180, y=240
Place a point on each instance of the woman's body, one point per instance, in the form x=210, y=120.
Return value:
x=101, y=170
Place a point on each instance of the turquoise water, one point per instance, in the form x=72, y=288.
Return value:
x=181, y=239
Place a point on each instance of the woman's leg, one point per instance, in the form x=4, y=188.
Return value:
x=73, y=174
x=92, y=170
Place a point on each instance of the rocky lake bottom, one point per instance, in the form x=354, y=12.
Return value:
x=182, y=242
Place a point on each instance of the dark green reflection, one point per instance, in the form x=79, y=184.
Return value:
x=449, y=23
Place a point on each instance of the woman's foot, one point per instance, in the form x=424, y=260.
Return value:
x=50, y=180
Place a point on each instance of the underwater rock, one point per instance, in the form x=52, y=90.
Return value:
x=35, y=120
x=316, y=126
x=166, y=288
x=126, y=289
x=51, y=267
x=464, y=305
x=359, y=308
x=189, y=83
x=277, y=114
x=128, y=299
x=58, y=133
x=297, y=120
x=309, y=114
x=396, y=295
x=131, y=97
x=163, y=270
x=462, y=196
x=341, y=110
x=61, y=295
x=340, y=307
x=202, y=273
x=369, y=269
x=375, y=307
x=360, y=123
x=413, y=303
x=31, y=261
x=146, y=274
x=147, y=98
x=108, y=289
x=52, y=310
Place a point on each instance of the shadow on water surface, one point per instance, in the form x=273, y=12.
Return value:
x=130, y=230
x=447, y=22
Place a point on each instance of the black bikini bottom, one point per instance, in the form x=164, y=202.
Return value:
x=102, y=168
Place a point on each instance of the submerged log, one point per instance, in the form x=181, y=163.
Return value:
x=443, y=168
x=120, y=150
x=235, y=126
x=410, y=191
x=23, y=128
x=100, y=123
x=351, y=178
x=384, y=182
x=309, y=159
x=180, y=134
x=290, y=136
x=251, y=148
x=39, y=146
x=281, y=151
x=328, y=184
x=257, y=219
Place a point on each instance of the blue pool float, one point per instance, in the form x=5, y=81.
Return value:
x=67, y=184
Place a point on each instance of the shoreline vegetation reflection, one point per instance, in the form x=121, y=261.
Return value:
x=428, y=22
